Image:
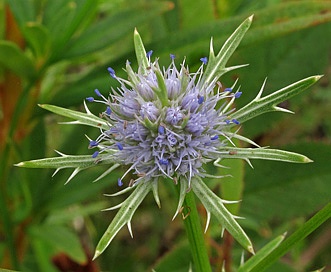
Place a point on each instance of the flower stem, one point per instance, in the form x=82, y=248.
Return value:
x=195, y=234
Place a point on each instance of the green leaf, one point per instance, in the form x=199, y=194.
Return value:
x=71, y=161
x=87, y=118
x=140, y=52
x=13, y=58
x=38, y=37
x=261, y=254
x=262, y=153
x=269, y=103
x=123, y=216
x=214, y=205
x=161, y=91
x=68, y=15
x=24, y=11
x=61, y=238
x=67, y=161
x=216, y=64
x=43, y=252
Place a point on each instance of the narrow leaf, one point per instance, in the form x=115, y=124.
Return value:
x=67, y=161
x=123, y=216
x=269, y=103
x=261, y=254
x=262, y=153
x=216, y=65
x=13, y=58
x=38, y=37
x=214, y=205
x=88, y=118
x=182, y=193
x=140, y=52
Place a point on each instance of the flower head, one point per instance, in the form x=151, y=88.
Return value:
x=165, y=122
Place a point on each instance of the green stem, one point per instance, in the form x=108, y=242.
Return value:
x=195, y=234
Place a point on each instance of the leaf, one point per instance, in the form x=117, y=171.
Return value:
x=261, y=254
x=123, y=216
x=268, y=103
x=140, y=52
x=61, y=238
x=87, y=118
x=214, y=205
x=216, y=64
x=24, y=11
x=71, y=161
x=38, y=37
x=67, y=161
x=13, y=58
x=68, y=15
x=261, y=153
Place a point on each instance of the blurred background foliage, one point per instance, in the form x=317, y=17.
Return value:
x=57, y=52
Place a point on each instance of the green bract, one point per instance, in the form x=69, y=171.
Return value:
x=163, y=124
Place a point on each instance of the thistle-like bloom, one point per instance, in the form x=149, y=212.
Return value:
x=166, y=124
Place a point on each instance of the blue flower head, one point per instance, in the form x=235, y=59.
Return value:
x=165, y=122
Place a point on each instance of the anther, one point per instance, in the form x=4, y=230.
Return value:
x=163, y=161
x=119, y=146
x=93, y=144
x=237, y=94
x=108, y=110
x=214, y=138
x=200, y=99
x=97, y=92
x=149, y=53
x=90, y=99
x=235, y=121
x=119, y=182
x=95, y=154
x=161, y=130
x=204, y=60
x=111, y=72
